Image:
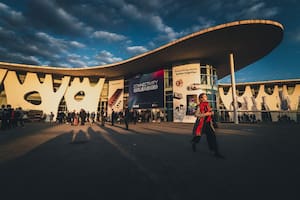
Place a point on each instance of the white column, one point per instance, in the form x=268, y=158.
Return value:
x=234, y=100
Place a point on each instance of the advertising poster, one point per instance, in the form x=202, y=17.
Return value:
x=115, y=96
x=147, y=91
x=186, y=88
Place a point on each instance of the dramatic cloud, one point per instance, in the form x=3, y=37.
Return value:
x=151, y=19
x=135, y=50
x=48, y=15
x=105, y=57
x=77, y=44
x=68, y=33
x=203, y=23
x=251, y=9
x=18, y=58
x=259, y=9
x=9, y=17
x=164, y=29
x=132, y=11
x=108, y=36
x=41, y=48
x=76, y=60
x=55, y=44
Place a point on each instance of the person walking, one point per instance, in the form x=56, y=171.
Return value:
x=82, y=115
x=204, y=124
x=51, y=117
x=21, y=116
x=102, y=117
x=135, y=116
x=112, y=117
x=126, y=117
x=93, y=115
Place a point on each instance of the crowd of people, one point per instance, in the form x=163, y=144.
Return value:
x=121, y=117
x=135, y=116
x=11, y=117
x=76, y=118
x=15, y=117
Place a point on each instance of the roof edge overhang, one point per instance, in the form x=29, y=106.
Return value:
x=190, y=47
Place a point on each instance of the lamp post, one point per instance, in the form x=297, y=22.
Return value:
x=234, y=100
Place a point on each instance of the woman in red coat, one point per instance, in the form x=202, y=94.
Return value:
x=203, y=124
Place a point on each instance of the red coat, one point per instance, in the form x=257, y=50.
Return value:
x=203, y=108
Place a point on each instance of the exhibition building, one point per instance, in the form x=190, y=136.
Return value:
x=163, y=84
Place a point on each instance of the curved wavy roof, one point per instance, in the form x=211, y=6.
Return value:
x=249, y=40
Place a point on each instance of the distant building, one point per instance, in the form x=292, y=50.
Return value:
x=267, y=100
x=162, y=84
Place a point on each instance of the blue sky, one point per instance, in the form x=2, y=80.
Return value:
x=82, y=33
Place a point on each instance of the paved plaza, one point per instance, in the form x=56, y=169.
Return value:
x=149, y=161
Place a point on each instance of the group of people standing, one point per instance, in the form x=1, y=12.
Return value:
x=11, y=117
x=73, y=118
x=124, y=115
x=81, y=118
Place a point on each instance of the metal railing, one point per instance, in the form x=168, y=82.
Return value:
x=258, y=116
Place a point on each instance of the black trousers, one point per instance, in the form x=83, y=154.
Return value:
x=126, y=123
x=210, y=137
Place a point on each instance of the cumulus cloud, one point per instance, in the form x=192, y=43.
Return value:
x=131, y=11
x=5, y=33
x=202, y=23
x=56, y=50
x=158, y=23
x=105, y=57
x=134, y=50
x=10, y=17
x=108, y=36
x=77, y=44
x=40, y=48
x=59, y=45
x=75, y=60
x=49, y=15
x=47, y=32
x=18, y=58
x=145, y=6
x=251, y=9
x=166, y=32
x=259, y=9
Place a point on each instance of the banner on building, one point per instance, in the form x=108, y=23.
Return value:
x=115, y=96
x=147, y=91
x=186, y=88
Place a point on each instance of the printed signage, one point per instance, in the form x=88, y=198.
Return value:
x=186, y=88
x=115, y=96
x=147, y=91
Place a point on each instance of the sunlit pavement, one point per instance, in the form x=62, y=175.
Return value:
x=148, y=161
